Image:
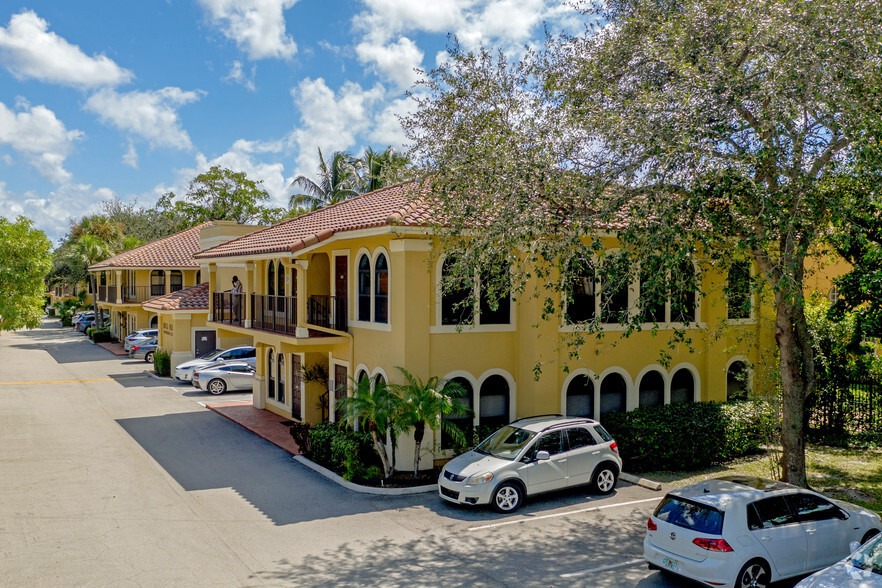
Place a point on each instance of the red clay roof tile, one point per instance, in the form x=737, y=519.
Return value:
x=192, y=298
x=173, y=251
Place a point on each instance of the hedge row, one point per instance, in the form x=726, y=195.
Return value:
x=349, y=453
x=687, y=436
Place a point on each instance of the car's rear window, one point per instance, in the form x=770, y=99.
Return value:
x=690, y=515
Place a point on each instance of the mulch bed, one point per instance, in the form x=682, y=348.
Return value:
x=402, y=480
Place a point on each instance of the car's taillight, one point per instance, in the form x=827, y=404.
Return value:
x=650, y=524
x=614, y=446
x=712, y=544
x=136, y=348
x=195, y=374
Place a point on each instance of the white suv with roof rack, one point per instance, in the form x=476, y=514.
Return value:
x=530, y=456
x=746, y=531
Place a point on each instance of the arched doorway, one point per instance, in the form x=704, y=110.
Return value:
x=613, y=394
x=652, y=389
x=682, y=386
x=580, y=397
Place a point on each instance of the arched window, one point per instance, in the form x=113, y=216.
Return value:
x=456, y=307
x=495, y=305
x=296, y=381
x=379, y=381
x=653, y=291
x=157, y=283
x=281, y=379
x=615, y=283
x=738, y=291
x=494, y=402
x=736, y=382
x=580, y=397
x=198, y=276
x=361, y=376
x=652, y=389
x=270, y=369
x=613, y=393
x=381, y=290
x=364, y=288
x=462, y=421
x=176, y=281
x=154, y=322
x=270, y=278
x=280, y=279
x=682, y=386
x=683, y=293
x=580, y=290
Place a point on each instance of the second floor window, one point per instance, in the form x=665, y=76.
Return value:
x=364, y=289
x=458, y=299
x=738, y=291
x=177, y=281
x=157, y=283
x=381, y=290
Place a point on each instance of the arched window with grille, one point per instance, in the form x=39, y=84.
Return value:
x=364, y=288
x=580, y=397
x=682, y=386
x=461, y=421
x=157, y=283
x=613, y=394
x=651, y=389
x=176, y=281
x=381, y=290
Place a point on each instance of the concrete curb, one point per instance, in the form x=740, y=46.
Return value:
x=642, y=482
x=157, y=377
x=363, y=489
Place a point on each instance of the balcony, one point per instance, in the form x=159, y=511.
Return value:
x=134, y=294
x=328, y=312
x=277, y=314
x=229, y=308
x=102, y=293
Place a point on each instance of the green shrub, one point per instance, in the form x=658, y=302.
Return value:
x=162, y=362
x=300, y=432
x=101, y=335
x=336, y=447
x=689, y=435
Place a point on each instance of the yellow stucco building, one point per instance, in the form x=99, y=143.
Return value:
x=352, y=290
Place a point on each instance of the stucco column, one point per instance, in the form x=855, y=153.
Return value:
x=248, y=291
x=168, y=281
x=212, y=287
x=118, y=286
x=301, y=331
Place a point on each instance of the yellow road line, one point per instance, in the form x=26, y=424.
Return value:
x=70, y=381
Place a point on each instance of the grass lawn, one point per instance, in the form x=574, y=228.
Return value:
x=853, y=475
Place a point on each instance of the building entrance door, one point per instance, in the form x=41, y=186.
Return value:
x=205, y=342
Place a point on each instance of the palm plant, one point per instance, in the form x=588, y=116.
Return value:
x=424, y=403
x=376, y=409
x=379, y=169
x=337, y=181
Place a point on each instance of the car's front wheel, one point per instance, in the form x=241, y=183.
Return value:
x=148, y=357
x=604, y=480
x=754, y=574
x=217, y=386
x=507, y=497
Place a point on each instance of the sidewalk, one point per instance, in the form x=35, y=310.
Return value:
x=114, y=348
x=262, y=423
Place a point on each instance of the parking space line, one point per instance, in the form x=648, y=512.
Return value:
x=562, y=514
x=624, y=564
x=70, y=381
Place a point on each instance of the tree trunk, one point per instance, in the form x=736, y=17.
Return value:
x=418, y=433
x=797, y=380
x=381, y=451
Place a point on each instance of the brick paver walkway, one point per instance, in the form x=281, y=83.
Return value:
x=263, y=423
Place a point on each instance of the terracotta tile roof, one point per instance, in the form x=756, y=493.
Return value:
x=402, y=204
x=173, y=251
x=192, y=298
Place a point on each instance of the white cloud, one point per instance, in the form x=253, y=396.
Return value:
x=52, y=213
x=395, y=61
x=257, y=26
x=40, y=137
x=131, y=157
x=237, y=75
x=330, y=121
x=29, y=50
x=152, y=115
x=387, y=129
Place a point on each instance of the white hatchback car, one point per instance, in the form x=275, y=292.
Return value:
x=745, y=531
x=530, y=456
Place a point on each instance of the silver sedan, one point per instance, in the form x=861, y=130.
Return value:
x=220, y=378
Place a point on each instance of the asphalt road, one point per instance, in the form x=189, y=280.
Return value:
x=111, y=478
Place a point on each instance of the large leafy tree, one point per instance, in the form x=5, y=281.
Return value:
x=336, y=180
x=24, y=261
x=683, y=128
x=218, y=194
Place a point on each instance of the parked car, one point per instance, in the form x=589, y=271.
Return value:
x=246, y=354
x=530, y=456
x=220, y=377
x=747, y=531
x=139, y=336
x=861, y=569
x=144, y=350
x=86, y=322
x=75, y=319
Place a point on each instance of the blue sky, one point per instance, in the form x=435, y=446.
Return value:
x=133, y=99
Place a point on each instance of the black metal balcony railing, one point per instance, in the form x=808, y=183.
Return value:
x=102, y=293
x=277, y=314
x=229, y=308
x=328, y=312
x=175, y=287
x=157, y=290
x=135, y=293
x=111, y=294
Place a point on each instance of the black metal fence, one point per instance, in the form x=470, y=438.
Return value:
x=328, y=312
x=855, y=408
x=229, y=308
x=277, y=314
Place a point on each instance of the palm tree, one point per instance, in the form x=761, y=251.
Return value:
x=335, y=183
x=424, y=403
x=376, y=409
x=381, y=169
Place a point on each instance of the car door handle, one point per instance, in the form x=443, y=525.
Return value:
x=765, y=537
x=810, y=531
x=595, y=453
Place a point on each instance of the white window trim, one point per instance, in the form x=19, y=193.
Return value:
x=630, y=395
x=569, y=380
x=512, y=393
x=475, y=327
x=696, y=381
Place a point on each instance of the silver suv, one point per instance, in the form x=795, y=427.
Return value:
x=530, y=456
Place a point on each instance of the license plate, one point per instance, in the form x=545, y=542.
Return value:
x=671, y=564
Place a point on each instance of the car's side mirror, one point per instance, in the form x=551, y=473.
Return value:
x=542, y=456
x=853, y=546
x=842, y=515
